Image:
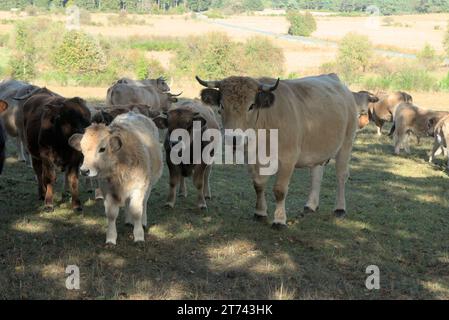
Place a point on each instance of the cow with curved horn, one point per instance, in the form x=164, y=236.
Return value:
x=316, y=119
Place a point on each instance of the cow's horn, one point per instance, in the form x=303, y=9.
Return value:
x=175, y=95
x=267, y=87
x=207, y=84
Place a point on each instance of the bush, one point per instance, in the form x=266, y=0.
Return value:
x=79, y=54
x=407, y=78
x=253, y=5
x=217, y=56
x=301, y=24
x=31, y=10
x=155, y=44
x=428, y=57
x=23, y=60
x=446, y=40
x=354, y=54
x=263, y=58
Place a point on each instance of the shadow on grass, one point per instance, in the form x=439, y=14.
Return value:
x=398, y=220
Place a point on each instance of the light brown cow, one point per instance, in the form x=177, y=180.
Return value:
x=362, y=101
x=316, y=119
x=182, y=116
x=124, y=94
x=440, y=131
x=383, y=110
x=409, y=119
x=126, y=157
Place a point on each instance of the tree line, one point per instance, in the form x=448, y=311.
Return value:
x=386, y=7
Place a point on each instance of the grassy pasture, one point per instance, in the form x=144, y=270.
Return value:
x=398, y=219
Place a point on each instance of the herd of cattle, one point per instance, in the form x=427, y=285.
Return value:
x=117, y=146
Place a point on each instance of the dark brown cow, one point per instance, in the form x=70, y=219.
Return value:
x=182, y=117
x=49, y=121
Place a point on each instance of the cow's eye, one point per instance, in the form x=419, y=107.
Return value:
x=102, y=150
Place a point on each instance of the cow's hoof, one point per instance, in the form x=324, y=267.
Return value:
x=340, y=213
x=202, y=206
x=260, y=218
x=308, y=210
x=169, y=205
x=208, y=197
x=183, y=195
x=78, y=209
x=49, y=208
x=278, y=226
x=111, y=243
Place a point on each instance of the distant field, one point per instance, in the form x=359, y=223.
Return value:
x=415, y=32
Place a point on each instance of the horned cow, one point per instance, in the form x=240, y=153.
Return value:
x=316, y=119
x=3, y=107
x=127, y=160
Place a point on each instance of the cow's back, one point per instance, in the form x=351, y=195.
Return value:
x=314, y=115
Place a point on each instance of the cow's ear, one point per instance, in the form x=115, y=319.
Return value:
x=161, y=121
x=3, y=105
x=115, y=142
x=263, y=100
x=75, y=141
x=211, y=97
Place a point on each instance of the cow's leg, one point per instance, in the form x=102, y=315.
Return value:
x=280, y=190
x=342, y=172
x=145, y=208
x=182, y=187
x=111, y=210
x=207, y=193
x=72, y=178
x=259, y=183
x=37, y=167
x=398, y=140
x=49, y=179
x=314, y=197
x=128, y=218
x=436, y=148
x=21, y=154
x=198, y=182
x=137, y=202
x=379, y=125
x=175, y=178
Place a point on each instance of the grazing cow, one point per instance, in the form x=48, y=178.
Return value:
x=49, y=121
x=124, y=94
x=182, y=117
x=316, y=118
x=362, y=101
x=126, y=157
x=409, y=119
x=160, y=83
x=440, y=131
x=3, y=107
x=383, y=110
x=13, y=93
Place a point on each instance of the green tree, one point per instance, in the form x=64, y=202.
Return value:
x=301, y=24
x=354, y=54
x=22, y=63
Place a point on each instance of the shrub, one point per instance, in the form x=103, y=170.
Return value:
x=354, y=54
x=23, y=60
x=428, y=57
x=253, y=5
x=446, y=40
x=301, y=24
x=263, y=58
x=79, y=54
x=31, y=10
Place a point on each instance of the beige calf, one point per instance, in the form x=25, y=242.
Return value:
x=126, y=157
